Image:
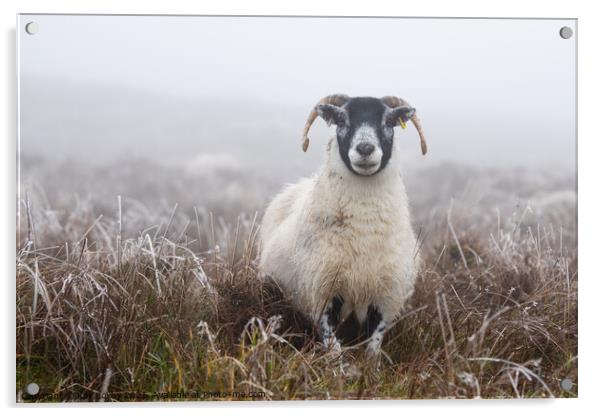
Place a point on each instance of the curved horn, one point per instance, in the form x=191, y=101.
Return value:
x=397, y=102
x=334, y=99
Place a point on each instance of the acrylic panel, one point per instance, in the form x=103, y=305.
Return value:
x=176, y=242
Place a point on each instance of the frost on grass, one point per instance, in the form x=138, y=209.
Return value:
x=156, y=292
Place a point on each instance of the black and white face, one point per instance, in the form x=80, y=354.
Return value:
x=365, y=132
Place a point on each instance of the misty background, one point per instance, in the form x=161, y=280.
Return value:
x=208, y=111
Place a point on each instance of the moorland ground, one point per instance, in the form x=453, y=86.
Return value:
x=133, y=285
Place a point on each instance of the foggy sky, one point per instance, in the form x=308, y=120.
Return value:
x=489, y=92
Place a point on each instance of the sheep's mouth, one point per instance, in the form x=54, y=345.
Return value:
x=366, y=165
x=366, y=168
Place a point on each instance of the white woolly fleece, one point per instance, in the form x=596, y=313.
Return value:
x=338, y=233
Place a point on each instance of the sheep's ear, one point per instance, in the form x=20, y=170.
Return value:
x=394, y=116
x=332, y=114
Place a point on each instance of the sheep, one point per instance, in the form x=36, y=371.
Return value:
x=340, y=243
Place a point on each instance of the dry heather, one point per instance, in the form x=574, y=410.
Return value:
x=176, y=312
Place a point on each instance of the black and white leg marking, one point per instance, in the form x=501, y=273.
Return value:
x=329, y=321
x=375, y=330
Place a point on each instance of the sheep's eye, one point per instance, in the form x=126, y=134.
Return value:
x=340, y=120
x=391, y=122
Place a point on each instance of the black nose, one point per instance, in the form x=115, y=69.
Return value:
x=365, y=149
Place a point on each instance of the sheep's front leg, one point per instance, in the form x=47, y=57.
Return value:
x=375, y=330
x=329, y=321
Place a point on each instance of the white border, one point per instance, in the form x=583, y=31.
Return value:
x=590, y=137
